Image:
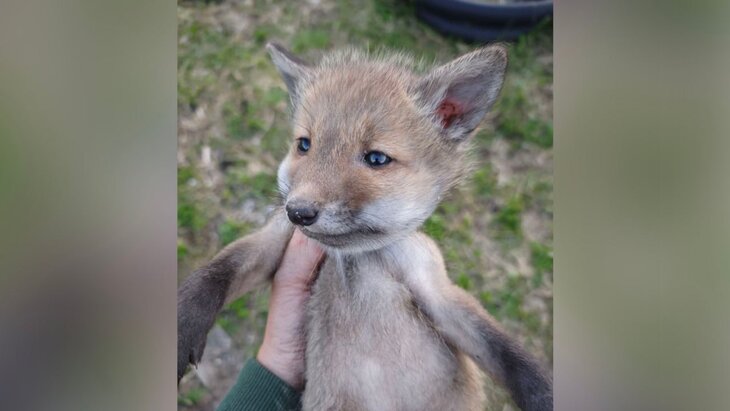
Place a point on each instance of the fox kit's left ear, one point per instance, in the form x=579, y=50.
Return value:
x=458, y=94
x=293, y=69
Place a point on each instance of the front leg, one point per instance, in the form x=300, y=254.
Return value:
x=462, y=321
x=244, y=265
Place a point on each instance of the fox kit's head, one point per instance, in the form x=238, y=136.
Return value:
x=375, y=144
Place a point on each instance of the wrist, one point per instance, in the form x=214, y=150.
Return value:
x=288, y=366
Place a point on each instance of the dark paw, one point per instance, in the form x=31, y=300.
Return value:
x=195, y=317
x=191, y=338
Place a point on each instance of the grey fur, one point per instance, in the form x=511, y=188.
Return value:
x=292, y=69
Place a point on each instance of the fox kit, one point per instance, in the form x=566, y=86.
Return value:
x=375, y=145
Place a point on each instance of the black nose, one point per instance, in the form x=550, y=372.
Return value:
x=302, y=215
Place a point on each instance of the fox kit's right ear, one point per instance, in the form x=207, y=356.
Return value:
x=458, y=94
x=292, y=68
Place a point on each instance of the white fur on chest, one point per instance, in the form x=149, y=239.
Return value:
x=369, y=346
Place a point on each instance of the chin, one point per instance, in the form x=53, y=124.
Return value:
x=352, y=242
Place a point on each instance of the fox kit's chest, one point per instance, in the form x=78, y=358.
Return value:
x=369, y=346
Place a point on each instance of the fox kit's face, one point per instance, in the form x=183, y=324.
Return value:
x=374, y=146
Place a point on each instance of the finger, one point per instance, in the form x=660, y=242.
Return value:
x=303, y=255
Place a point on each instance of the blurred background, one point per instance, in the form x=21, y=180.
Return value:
x=495, y=231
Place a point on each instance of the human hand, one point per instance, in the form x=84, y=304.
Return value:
x=282, y=351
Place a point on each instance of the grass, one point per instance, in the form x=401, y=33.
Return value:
x=189, y=216
x=508, y=218
x=495, y=230
x=310, y=40
x=231, y=230
x=484, y=182
x=191, y=397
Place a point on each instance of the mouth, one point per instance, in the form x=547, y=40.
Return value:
x=342, y=239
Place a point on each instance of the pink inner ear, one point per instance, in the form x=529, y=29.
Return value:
x=448, y=111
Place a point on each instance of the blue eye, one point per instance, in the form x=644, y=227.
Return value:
x=377, y=159
x=303, y=144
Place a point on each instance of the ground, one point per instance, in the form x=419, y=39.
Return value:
x=495, y=230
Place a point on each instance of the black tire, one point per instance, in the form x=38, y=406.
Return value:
x=468, y=31
x=518, y=13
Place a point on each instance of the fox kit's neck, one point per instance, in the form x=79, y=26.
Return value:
x=410, y=255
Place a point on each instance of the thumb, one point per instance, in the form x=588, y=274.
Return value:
x=301, y=260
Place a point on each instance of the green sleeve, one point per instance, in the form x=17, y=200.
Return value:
x=257, y=389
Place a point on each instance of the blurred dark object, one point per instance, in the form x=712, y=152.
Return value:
x=482, y=21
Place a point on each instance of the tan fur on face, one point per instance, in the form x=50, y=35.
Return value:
x=352, y=104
